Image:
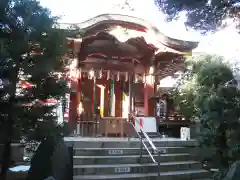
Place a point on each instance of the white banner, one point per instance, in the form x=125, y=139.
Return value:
x=185, y=133
x=147, y=123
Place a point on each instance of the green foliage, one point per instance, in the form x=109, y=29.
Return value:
x=201, y=14
x=207, y=92
x=33, y=50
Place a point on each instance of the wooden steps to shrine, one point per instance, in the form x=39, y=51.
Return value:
x=119, y=158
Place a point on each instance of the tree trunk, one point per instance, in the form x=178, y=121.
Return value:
x=222, y=149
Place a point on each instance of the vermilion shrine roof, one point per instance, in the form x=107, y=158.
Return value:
x=121, y=42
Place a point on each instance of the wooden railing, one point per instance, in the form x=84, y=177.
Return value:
x=117, y=126
x=106, y=126
x=87, y=128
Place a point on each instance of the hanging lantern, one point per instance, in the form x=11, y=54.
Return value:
x=91, y=74
x=151, y=70
x=118, y=76
x=100, y=74
x=126, y=76
x=108, y=75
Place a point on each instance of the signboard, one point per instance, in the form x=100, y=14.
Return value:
x=122, y=170
x=147, y=123
x=115, y=151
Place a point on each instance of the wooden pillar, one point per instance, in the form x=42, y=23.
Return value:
x=106, y=98
x=148, y=92
x=101, y=98
x=87, y=91
x=73, y=105
x=112, y=98
x=78, y=94
x=125, y=97
x=118, y=99
x=94, y=96
x=133, y=94
x=130, y=93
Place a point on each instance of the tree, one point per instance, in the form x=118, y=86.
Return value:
x=34, y=51
x=203, y=15
x=207, y=91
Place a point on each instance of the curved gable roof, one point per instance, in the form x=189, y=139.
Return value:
x=108, y=21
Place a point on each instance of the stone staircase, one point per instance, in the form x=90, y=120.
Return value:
x=102, y=159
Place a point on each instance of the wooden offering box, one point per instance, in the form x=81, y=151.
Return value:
x=112, y=126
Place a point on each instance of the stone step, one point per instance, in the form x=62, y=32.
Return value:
x=131, y=143
x=171, y=175
x=135, y=168
x=129, y=159
x=150, y=134
x=126, y=151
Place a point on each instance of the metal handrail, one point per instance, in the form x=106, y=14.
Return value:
x=145, y=146
x=142, y=143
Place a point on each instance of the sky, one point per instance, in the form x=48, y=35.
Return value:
x=76, y=11
x=225, y=42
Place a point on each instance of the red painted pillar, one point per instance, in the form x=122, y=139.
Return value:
x=106, y=97
x=148, y=92
x=73, y=105
x=87, y=91
x=78, y=94
x=92, y=94
x=118, y=99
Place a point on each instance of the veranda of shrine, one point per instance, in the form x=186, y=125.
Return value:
x=118, y=64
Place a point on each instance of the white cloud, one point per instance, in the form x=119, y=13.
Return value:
x=224, y=42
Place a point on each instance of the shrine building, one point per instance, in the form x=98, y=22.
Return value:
x=117, y=64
